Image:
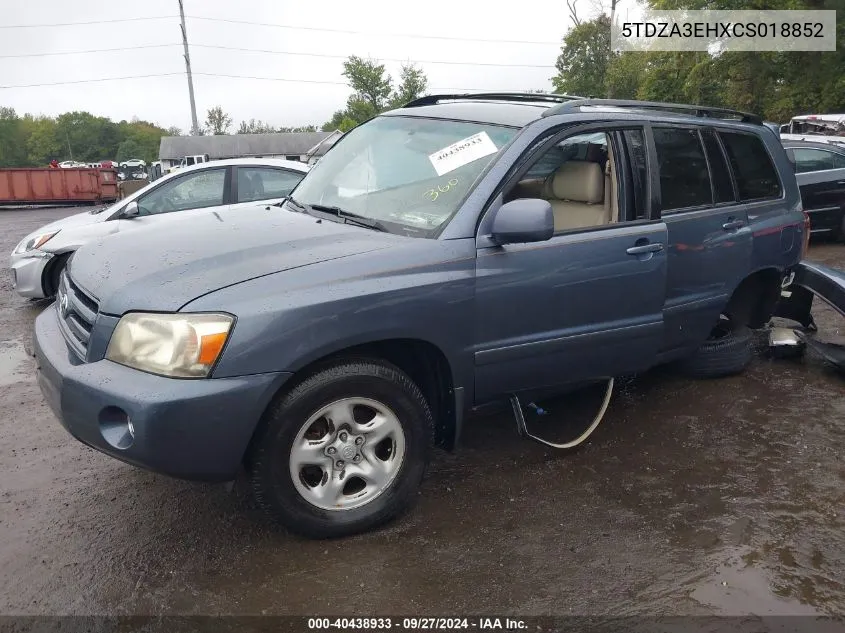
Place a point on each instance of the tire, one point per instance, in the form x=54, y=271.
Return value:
x=727, y=352
x=53, y=275
x=354, y=389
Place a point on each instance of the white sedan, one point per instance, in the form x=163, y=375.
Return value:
x=39, y=258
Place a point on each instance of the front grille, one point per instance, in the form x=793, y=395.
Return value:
x=77, y=312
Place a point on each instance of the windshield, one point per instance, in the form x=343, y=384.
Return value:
x=409, y=174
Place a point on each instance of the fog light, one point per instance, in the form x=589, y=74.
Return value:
x=116, y=427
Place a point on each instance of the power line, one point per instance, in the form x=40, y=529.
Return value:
x=285, y=79
x=335, y=83
x=85, y=81
x=370, y=33
x=96, y=50
x=38, y=26
x=383, y=59
x=272, y=52
x=302, y=81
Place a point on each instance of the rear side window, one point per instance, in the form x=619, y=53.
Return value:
x=723, y=189
x=808, y=159
x=265, y=183
x=756, y=176
x=684, y=181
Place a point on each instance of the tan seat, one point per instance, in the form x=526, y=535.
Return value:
x=576, y=192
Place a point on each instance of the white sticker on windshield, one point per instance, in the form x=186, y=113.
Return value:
x=461, y=153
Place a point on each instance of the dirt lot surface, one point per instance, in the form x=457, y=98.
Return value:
x=712, y=497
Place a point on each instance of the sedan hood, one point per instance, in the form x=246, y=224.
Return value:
x=164, y=267
x=72, y=221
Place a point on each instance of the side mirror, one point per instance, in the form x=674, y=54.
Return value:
x=131, y=210
x=523, y=220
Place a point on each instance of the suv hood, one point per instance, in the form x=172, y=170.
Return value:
x=164, y=267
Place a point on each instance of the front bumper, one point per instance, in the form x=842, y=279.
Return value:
x=28, y=273
x=192, y=429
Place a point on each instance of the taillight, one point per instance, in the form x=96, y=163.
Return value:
x=806, y=245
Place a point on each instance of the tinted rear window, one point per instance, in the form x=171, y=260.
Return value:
x=756, y=176
x=684, y=181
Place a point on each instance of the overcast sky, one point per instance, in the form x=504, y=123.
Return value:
x=385, y=31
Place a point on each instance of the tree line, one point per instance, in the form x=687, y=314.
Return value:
x=776, y=85
x=81, y=136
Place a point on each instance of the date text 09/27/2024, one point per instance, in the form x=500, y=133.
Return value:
x=417, y=624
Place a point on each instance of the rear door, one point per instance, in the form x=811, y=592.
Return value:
x=821, y=178
x=255, y=183
x=709, y=184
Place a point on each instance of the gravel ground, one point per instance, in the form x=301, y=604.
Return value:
x=712, y=497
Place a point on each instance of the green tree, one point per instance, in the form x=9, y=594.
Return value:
x=173, y=131
x=412, y=85
x=87, y=137
x=129, y=149
x=373, y=92
x=300, y=128
x=42, y=144
x=12, y=139
x=254, y=126
x=583, y=61
x=217, y=121
x=366, y=77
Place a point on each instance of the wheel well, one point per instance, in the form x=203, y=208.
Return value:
x=424, y=363
x=48, y=281
x=753, y=302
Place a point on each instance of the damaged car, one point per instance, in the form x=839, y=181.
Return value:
x=807, y=282
x=457, y=251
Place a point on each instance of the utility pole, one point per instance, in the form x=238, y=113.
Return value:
x=195, y=128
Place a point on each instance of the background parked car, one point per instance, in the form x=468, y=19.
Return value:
x=40, y=257
x=820, y=171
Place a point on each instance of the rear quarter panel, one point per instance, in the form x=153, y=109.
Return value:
x=777, y=225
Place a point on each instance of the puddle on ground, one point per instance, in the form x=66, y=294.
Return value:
x=13, y=359
x=739, y=588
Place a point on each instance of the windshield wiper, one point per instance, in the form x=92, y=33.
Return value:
x=350, y=218
x=298, y=205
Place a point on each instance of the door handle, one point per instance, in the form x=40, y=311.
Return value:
x=733, y=224
x=644, y=249
x=840, y=182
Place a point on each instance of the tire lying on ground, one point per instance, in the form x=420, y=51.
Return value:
x=726, y=352
x=343, y=451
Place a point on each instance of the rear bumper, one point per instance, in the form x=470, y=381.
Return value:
x=192, y=429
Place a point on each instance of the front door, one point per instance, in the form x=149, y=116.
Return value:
x=585, y=304
x=191, y=193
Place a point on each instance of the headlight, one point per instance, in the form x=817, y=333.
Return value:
x=36, y=241
x=180, y=345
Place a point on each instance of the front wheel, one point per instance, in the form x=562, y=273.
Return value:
x=344, y=451
x=53, y=275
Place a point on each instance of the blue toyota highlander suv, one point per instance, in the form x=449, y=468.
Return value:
x=459, y=250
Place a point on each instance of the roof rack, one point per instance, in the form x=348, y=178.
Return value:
x=695, y=110
x=519, y=97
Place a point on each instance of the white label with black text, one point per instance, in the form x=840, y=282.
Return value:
x=462, y=153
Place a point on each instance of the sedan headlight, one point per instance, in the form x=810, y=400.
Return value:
x=178, y=345
x=36, y=241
